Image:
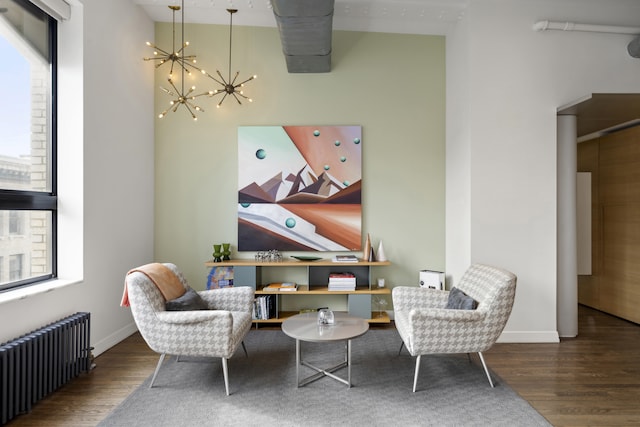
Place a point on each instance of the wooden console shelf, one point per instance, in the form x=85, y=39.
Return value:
x=359, y=302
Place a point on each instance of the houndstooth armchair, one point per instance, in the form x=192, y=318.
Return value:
x=427, y=327
x=216, y=332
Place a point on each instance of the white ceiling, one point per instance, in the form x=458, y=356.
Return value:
x=386, y=16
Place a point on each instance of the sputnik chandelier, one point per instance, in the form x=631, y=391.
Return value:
x=181, y=98
x=186, y=64
x=229, y=86
x=162, y=56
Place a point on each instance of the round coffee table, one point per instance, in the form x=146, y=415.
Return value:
x=304, y=327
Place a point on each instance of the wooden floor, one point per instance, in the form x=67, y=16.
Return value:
x=593, y=379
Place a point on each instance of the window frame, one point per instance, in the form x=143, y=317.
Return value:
x=41, y=200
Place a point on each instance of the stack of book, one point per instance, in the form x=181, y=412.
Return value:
x=342, y=282
x=345, y=258
x=281, y=287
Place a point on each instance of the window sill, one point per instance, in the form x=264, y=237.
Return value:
x=40, y=288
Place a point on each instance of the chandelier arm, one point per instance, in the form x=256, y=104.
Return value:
x=214, y=79
x=224, y=82
x=194, y=106
x=168, y=91
x=164, y=52
x=241, y=94
x=202, y=94
x=236, y=97
x=190, y=111
x=223, y=98
x=233, y=82
x=173, y=86
x=146, y=58
x=248, y=80
x=189, y=66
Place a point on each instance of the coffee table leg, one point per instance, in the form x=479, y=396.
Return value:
x=349, y=363
x=298, y=362
x=323, y=372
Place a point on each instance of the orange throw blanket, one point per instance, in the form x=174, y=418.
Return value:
x=164, y=278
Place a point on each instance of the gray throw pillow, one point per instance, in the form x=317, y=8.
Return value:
x=189, y=301
x=458, y=300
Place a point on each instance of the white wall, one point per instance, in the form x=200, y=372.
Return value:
x=106, y=168
x=516, y=80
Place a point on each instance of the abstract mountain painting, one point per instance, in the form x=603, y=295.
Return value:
x=299, y=188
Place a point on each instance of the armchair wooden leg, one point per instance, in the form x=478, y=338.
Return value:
x=226, y=374
x=486, y=371
x=245, y=350
x=155, y=374
x=415, y=376
x=401, y=345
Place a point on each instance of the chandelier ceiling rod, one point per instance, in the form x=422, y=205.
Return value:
x=231, y=12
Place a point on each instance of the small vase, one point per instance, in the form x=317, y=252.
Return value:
x=226, y=252
x=366, y=252
x=216, y=253
x=381, y=256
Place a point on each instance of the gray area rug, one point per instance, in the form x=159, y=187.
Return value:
x=451, y=390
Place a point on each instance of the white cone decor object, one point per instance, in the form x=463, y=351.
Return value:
x=381, y=256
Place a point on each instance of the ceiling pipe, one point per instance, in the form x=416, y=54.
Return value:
x=595, y=28
x=633, y=48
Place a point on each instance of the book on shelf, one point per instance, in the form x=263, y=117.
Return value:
x=342, y=275
x=347, y=278
x=281, y=287
x=345, y=258
x=342, y=286
x=264, y=307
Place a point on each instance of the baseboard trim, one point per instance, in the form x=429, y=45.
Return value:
x=113, y=339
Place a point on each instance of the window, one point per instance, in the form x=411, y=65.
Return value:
x=27, y=144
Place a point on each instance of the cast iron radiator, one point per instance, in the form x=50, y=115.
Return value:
x=37, y=363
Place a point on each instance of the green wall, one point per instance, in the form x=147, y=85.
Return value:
x=392, y=85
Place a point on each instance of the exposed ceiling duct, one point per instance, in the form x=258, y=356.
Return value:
x=305, y=32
